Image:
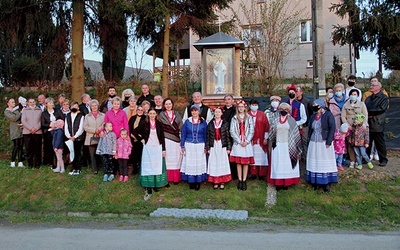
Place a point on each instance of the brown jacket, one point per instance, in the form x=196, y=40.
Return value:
x=31, y=119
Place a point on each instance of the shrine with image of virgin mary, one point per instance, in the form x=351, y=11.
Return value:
x=220, y=65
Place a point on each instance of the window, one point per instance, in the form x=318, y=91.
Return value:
x=305, y=31
x=261, y=1
x=310, y=63
x=252, y=35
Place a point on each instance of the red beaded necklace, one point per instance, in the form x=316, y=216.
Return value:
x=172, y=117
x=284, y=120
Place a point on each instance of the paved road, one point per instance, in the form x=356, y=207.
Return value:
x=78, y=238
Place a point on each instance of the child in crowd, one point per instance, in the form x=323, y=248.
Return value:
x=107, y=149
x=124, y=148
x=360, y=141
x=339, y=144
x=57, y=133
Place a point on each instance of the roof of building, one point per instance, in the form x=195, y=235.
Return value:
x=219, y=38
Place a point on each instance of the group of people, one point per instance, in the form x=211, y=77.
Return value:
x=214, y=145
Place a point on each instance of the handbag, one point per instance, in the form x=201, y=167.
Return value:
x=94, y=140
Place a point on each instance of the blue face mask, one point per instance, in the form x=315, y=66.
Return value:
x=353, y=98
x=254, y=107
x=330, y=95
x=338, y=94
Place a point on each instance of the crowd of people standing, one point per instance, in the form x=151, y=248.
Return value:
x=147, y=136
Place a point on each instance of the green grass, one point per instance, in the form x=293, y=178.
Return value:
x=352, y=204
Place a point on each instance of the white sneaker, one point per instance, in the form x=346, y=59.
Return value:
x=77, y=172
x=12, y=164
x=20, y=164
x=71, y=172
x=62, y=171
x=352, y=164
x=56, y=170
x=376, y=157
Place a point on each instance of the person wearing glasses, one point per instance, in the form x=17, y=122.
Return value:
x=377, y=104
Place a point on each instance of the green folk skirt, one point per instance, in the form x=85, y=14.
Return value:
x=155, y=181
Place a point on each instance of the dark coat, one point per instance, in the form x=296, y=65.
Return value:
x=328, y=127
x=83, y=109
x=376, y=107
x=142, y=132
x=45, y=119
x=225, y=135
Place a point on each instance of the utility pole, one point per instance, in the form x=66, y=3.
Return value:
x=318, y=48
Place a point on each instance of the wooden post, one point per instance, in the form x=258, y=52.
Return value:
x=78, y=77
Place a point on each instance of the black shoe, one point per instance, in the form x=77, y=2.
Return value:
x=215, y=187
x=197, y=187
x=244, y=185
x=168, y=186
x=239, y=185
x=327, y=188
x=315, y=186
x=156, y=189
x=383, y=164
x=191, y=186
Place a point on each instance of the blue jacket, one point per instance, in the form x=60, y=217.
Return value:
x=58, y=138
x=193, y=133
x=328, y=127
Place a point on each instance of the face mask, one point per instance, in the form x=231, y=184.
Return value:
x=74, y=110
x=111, y=96
x=291, y=95
x=315, y=108
x=254, y=107
x=127, y=98
x=353, y=98
x=283, y=112
x=338, y=94
x=330, y=95
x=274, y=104
x=351, y=84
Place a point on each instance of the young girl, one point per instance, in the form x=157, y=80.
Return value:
x=242, y=131
x=124, y=148
x=153, y=173
x=13, y=114
x=360, y=140
x=57, y=133
x=339, y=144
x=107, y=149
x=218, y=145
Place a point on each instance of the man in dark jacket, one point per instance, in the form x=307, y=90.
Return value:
x=377, y=104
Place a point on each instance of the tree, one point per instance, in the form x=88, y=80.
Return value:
x=113, y=36
x=37, y=30
x=153, y=19
x=269, y=37
x=373, y=25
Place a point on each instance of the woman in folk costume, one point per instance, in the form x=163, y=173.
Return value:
x=171, y=123
x=259, y=141
x=285, y=140
x=321, y=163
x=242, y=131
x=219, y=146
x=193, y=138
x=152, y=172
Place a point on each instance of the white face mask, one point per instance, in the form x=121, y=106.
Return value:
x=274, y=104
x=254, y=107
x=330, y=95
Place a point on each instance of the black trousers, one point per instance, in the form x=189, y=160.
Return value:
x=48, y=152
x=33, y=145
x=77, y=163
x=107, y=164
x=17, y=149
x=123, y=167
x=379, y=139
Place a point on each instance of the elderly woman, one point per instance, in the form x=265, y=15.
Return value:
x=126, y=95
x=117, y=117
x=137, y=147
x=336, y=103
x=193, y=139
x=65, y=107
x=285, y=141
x=49, y=115
x=321, y=163
x=13, y=115
x=131, y=109
x=93, y=124
x=171, y=122
x=352, y=107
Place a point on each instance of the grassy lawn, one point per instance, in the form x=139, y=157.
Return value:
x=352, y=204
